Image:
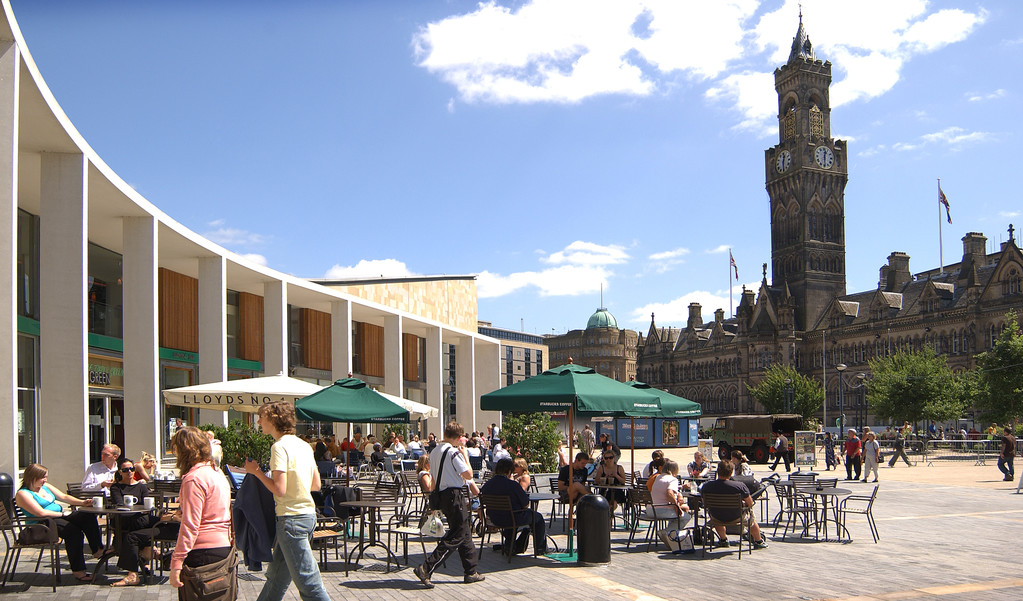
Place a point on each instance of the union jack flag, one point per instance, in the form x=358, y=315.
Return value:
x=944, y=201
x=731, y=263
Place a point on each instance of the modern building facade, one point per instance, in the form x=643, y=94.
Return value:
x=602, y=345
x=522, y=355
x=802, y=316
x=110, y=300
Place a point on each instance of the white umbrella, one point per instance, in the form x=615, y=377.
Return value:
x=415, y=409
x=241, y=395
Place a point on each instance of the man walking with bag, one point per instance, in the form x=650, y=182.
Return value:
x=451, y=472
x=1007, y=455
x=781, y=451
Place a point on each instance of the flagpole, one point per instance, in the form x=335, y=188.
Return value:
x=941, y=254
x=730, y=259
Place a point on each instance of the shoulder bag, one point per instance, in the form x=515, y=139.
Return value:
x=434, y=500
x=217, y=581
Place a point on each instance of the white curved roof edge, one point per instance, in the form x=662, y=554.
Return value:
x=163, y=218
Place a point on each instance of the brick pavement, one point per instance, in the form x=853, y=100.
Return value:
x=941, y=529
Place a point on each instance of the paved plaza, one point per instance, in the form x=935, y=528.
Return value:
x=948, y=532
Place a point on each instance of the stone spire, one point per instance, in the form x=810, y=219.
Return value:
x=801, y=46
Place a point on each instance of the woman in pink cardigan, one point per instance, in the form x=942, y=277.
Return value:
x=205, y=534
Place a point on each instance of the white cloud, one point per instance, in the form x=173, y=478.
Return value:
x=951, y=138
x=566, y=280
x=974, y=97
x=588, y=253
x=1009, y=214
x=663, y=261
x=579, y=268
x=676, y=312
x=565, y=51
x=717, y=250
x=369, y=269
x=255, y=258
x=233, y=237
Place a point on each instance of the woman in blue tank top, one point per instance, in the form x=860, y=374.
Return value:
x=37, y=499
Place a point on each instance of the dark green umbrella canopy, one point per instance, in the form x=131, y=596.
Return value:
x=350, y=400
x=572, y=386
x=671, y=405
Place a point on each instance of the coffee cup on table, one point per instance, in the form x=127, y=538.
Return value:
x=97, y=502
x=148, y=503
x=129, y=500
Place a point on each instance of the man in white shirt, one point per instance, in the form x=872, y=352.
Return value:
x=499, y=452
x=100, y=475
x=454, y=505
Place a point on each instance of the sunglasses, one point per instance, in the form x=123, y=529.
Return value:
x=609, y=456
x=127, y=469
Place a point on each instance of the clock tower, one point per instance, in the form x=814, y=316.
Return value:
x=806, y=175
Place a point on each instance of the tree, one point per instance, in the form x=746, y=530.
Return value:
x=910, y=386
x=534, y=437
x=772, y=392
x=1001, y=373
x=240, y=441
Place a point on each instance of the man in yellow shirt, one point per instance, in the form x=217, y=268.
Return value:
x=293, y=475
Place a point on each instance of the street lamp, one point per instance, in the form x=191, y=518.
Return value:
x=788, y=395
x=841, y=367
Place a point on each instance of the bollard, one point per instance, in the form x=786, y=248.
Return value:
x=593, y=521
x=7, y=492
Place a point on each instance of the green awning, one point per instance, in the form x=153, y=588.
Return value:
x=350, y=400
x=572, y=386
x=671, y=405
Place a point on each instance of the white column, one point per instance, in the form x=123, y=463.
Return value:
x=488, y=379
x=212, y=329
x=143, y=424
x=275, y=328
x=63, y=326
x=465, y=385
x=393, y=372
x=9, y=81
x=340, y=339
x=435, y=379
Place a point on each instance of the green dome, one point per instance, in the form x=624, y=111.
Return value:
x=602, y=318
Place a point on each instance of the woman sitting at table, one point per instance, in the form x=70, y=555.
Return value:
x=415, y=448
x=137, y=530
x=699, y=468
x=667, y=501
x=610, y=473
x=39, y=500
x=425, y=479
x=520, y=473
x=741, y=465
x=145, y=469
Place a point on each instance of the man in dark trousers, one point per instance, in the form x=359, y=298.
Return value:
x=450, y=455
x=1007, y=455
x=781, y=450
x=502, y=485
x=853, y=455
x=900, y=449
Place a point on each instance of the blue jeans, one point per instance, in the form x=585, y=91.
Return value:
x=293, y=561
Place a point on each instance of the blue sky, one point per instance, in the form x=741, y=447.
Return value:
x=553, y=147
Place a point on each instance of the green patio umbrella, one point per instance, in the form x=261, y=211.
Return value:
x=350, y=400
x=573, y=388
x=671, y=405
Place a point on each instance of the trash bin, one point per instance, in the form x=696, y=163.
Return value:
x=593, y=520
x=7, y=491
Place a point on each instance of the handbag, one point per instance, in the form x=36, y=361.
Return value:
x=433, y=503
x=39, y=534
x=216, y=581
x=433, y=525
x=678, y=542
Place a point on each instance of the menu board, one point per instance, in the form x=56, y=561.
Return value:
x=806, y=448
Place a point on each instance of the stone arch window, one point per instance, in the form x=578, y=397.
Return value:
x=1011, y=284
x=788, y=119
x=816, y=122
x=781, y=226
x=813, y=213
x=792, y=234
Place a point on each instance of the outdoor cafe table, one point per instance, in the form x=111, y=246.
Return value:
x=115, y=523
x=832, y=495
x=374, y=508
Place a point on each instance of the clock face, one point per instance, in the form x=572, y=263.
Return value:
x=824, y=157
x=783, y=161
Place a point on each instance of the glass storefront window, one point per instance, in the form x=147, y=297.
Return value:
x=105, y=295
x=232, y=324
x=28, y=395
x=28, y=265
x=175, y=376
